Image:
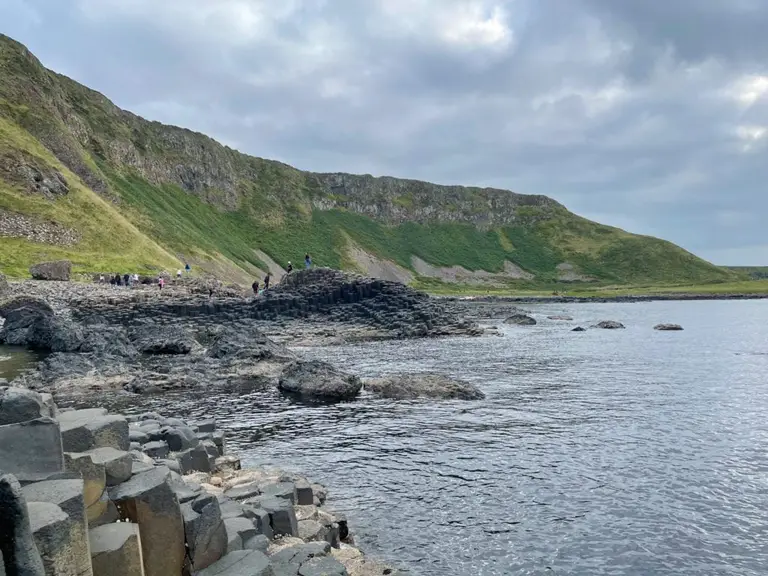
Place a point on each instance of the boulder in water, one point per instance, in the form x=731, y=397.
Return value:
x=427, y=385
x=318, y=379
x=668, y=327
x=20, y=314
x=609, y=325
x=59, y=270
x=579, y=329
x=520, y=320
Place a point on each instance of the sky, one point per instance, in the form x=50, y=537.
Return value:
x=643, y=114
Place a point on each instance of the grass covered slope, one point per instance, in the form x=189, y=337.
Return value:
x=142, y=195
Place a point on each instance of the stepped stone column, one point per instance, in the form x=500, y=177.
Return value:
x=148, y=500
x=67, y=495
x=116, y=550
x=17, y=546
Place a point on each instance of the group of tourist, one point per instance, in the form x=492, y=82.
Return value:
x=288, y=269
x=129, y=280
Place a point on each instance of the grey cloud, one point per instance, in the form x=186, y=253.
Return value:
x=626, y=111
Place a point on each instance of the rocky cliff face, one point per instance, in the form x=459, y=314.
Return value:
x=71, y=119
x=177, y=195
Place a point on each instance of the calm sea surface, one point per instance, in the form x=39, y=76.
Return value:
x=629, y=452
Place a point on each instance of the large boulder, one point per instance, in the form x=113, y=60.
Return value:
x=50, y=333
x=520, y=320
x=245, y=342
x=31, y=450
x=162, y=340
x=67, y=495
x=609, y=325
x=116, y=550
x=317, y=379
x=148, y=500
x=20, y=314
x=668, y=327
x=17, y=546
x=427, y=385
x=59, y=270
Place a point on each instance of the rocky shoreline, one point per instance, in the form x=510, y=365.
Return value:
x=87, y=493
x=145, y=340
x=146, y=495
x=463, y=301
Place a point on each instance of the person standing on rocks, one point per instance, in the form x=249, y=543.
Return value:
x=178, y=274
x=188, y=268
x=267, y=278
x=127, y=280
x=161, y=282
x=289, y=269
x=255, y=287
x=307, y=261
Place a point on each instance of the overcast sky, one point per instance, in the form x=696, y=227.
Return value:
x=651, y=115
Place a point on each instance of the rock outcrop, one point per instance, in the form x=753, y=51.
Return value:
x=316, y=379
x=668, y=327
x=60, y=270
x=520, y=320
x=609, y=325
x=427, y=385
x=121, y=513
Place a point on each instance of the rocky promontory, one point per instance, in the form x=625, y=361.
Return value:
x=193, y=333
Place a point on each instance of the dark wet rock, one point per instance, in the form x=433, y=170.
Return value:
x=668, y=327
x=49, y=333
x=162, y=340
x=426, y=385
x=59, y=270
x=609, y=325
x=245, y=343
x=17, y=544
x=20, y=314
x=579, y=329
x=317, y=379
x=520, y=320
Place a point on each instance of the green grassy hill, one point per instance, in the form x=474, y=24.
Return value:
x=84, y=180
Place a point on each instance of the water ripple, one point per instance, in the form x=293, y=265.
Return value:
x=625, y=453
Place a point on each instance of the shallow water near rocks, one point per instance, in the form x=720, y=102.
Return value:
x=626, y=452
x=14, y=360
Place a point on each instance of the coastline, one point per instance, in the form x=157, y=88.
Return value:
x=600, y=299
